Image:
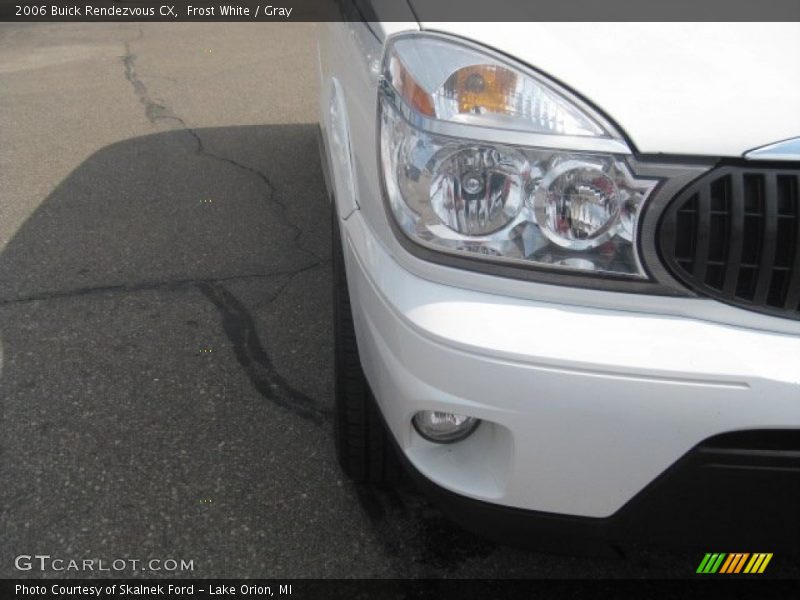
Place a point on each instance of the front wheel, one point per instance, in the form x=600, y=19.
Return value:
x=363, y=447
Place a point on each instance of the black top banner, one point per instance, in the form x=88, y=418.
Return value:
x=401, y=10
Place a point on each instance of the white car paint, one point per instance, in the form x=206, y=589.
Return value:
x=587, y=396
x=582, y=408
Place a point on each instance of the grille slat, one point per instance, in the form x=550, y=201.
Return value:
x=734, y=235
x=793, y=288
x=734, y=255
x=769, y=199
x=702, y=234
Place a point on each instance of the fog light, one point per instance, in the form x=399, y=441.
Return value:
x=443, y=427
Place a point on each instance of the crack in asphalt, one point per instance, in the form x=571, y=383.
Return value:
x=282, y=287
x=155, y=112
x=241, y=330
x=144, y=286
x=237, y=322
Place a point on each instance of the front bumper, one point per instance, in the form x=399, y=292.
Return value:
x=582, y=408
x=715, y=496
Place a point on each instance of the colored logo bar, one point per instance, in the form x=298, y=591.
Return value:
x=735, y=562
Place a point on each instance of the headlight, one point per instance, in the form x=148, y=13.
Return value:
x=484, y=158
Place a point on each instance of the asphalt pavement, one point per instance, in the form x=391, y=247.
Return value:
x=165, y=321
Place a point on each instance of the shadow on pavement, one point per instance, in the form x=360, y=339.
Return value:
x=168, y=207
x=166, y=370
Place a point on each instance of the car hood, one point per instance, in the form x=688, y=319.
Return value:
x=717, y=89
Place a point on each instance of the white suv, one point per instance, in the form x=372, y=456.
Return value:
x=567, y=268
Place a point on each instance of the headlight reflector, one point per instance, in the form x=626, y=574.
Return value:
x=577, y=205
x=477, y=190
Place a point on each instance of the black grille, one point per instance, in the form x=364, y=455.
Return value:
x=734, y=235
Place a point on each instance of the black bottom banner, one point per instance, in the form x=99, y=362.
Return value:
x=302, y=589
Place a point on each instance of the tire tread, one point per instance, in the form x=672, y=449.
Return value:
x=363, y=449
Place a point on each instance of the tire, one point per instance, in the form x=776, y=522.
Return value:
x=363, y=447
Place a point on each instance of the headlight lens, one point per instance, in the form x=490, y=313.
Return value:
x=455, y=192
